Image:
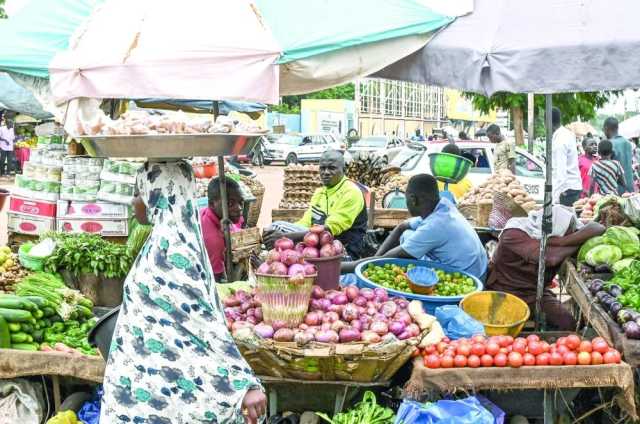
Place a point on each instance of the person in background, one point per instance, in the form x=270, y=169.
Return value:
x=567, y=184
x=606, y=174
x=622, y=150
x=463, y=136
x=514, y=266
x=436, y=232
x=7, y=140
x=504, y=152
x=211, y=221
x=590, y=147
x=338, y=205
x=458, y=189
x=636, y=163
x=418, y=136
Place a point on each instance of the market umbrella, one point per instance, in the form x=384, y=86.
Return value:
x=630, y=128
x=547, y=46
x=581, y=128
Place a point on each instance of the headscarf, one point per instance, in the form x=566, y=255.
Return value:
x=564, y=219
x=172, y=359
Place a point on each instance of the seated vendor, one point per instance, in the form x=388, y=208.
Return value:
x=211, y=221
x=437, y=232
x=461, y=187
x=514, y=266
x=338, y=205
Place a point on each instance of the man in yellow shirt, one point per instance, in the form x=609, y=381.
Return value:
x=460, y=188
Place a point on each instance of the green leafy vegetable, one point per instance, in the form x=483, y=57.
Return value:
x=368, y=411
x=588, y=245
x=624, y=238
x=603, y=255
x=622, y=264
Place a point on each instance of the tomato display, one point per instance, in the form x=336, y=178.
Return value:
x=505, y=351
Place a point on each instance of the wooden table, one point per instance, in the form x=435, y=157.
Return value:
x=382, y=218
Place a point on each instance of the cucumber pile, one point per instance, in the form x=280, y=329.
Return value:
x=43, y=313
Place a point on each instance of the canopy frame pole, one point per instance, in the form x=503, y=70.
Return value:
x=546, y=216
x=530, y=120
x=226, y=227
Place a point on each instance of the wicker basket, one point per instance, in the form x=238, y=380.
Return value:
x=254, y=208
x=469, y=211
x=284, y=299
x=357, y=361
x=482, y=216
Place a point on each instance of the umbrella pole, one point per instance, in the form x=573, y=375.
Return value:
x=546, y=216
x=225, y=216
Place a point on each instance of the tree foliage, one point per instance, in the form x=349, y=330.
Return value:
x=291, y=104
x=3, y=15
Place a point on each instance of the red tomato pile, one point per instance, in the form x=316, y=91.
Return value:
x=502, y=351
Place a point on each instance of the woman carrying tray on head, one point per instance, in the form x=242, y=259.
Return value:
x=172, y=359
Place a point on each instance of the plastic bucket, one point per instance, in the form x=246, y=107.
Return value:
x=328, y=271
x=100, y=336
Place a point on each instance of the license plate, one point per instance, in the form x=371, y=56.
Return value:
x=532, y=188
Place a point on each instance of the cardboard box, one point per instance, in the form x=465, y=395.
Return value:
x=29, y=224
x=27, y=206
x=92, y=210
x=35, y=195
x=104, y=227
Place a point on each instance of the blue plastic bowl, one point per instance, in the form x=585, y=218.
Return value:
x=430, y=303
x=422, y=279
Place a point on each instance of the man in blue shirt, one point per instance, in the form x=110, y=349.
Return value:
x=623, y=152
x=437, y=232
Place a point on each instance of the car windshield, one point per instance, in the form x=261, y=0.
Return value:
x=291, y=140
x=409, y=157
x=371, y=142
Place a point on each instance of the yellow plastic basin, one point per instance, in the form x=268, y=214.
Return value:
x=500, y=313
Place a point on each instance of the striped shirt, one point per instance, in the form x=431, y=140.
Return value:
x=606, y=173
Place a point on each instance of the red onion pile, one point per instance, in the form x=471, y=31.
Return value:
x=334, y=316
x=319, y=243
x=284, y=260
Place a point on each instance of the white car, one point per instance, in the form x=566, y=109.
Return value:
x=414, y=159
x=386, y=148
x=294, y=148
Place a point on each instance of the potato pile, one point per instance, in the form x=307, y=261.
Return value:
x=395, y=182
x=586, y=206
x=300, y=182
x=502, y=182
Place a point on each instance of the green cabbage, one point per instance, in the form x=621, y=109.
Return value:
x=588, y=245
x=622, y=264
x=603, y=255
x=624, y=238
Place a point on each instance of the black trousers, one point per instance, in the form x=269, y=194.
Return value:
x=6, y=162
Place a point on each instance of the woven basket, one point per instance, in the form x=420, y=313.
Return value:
x=356, y=361
x=482, y=215
x=504, y=208
x=254, y=208
x=283, y=299
x=469, y=211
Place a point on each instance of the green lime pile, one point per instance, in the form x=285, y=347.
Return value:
x=394, y=277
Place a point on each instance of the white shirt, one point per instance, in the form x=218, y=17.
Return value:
x=566, y=174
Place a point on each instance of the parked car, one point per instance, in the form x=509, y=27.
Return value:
x=414, y=159
x=294, y=148
x=384, y=147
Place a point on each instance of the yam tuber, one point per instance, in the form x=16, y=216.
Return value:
x=423, y=319
x=434, y=336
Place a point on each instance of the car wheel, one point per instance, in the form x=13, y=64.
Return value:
x=267, y=162
x=291, y=159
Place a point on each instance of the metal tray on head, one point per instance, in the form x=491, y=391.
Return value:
x=169, y=145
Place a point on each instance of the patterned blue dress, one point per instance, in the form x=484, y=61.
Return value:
x=172, y=359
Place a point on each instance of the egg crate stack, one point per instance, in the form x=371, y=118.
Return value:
x=300, y=182
x=503, y=182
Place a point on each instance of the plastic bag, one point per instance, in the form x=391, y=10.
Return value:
x=463, y=411
x=456, y=323
x=631, y=208
x=90, y=411
x=64, y=417
x=21, y=401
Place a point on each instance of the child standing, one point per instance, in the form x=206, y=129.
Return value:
x=585, y=161
x=606, y=173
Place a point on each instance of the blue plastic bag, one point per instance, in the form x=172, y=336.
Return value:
x=350, y=279
x=456, y=323
x=463, y=411
x=90, y=411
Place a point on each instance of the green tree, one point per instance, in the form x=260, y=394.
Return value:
x=3, y=15
x=573, y=106
x=291, y=104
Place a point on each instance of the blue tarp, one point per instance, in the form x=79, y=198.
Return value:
x=224, y=107
x=17, y=98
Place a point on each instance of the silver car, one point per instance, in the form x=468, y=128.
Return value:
x=386, y=148
x=294, y=148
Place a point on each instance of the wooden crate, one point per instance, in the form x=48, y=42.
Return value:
x=244, y=243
